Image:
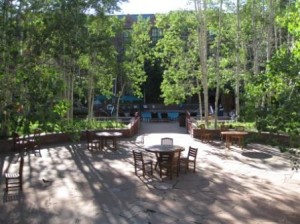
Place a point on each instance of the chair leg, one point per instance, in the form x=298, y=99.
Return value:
x=186, y=166
x=144, y=170
x=135, y=171
x=21, y=185
x=151, y=169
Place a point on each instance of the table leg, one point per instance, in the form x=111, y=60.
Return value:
x=114, y=140
x=241, y=142
x=101, y=143
x=228, y=141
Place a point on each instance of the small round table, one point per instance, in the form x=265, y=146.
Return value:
x=104, y=136
x=164, y=148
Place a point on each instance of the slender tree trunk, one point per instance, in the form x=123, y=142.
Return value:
x=90, y=96
x=270, y=41
x=121, y=92
x=218, y=64
x=237, y=73
x=199, y=100
x=200, y=7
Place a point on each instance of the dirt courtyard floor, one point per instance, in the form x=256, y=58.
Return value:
x=69, y=184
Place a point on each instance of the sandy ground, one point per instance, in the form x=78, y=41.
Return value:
x=254, y=185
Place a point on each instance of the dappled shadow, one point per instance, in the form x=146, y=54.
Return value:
x=229, y=186
x=14, y=195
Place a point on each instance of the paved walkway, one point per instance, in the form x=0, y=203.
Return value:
x=255, y=185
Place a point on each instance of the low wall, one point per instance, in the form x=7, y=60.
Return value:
x=262, y=137
x=6, y=145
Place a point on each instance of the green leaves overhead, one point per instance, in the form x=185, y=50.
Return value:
x=137, y=52
x=177, y=51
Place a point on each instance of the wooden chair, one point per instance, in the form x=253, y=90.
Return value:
x=239, y=128
x=19, y=143
x=15, y=180
x=93, y=143
x=191, y=158
x=167, y=141
x=223, y=127
x=238, y=139
x=170, y=162
x=140, y=163
x=33, y=142
x=204, y=134
x=163, y=141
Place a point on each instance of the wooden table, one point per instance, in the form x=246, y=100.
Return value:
x=229, y=135
x=160, y=149
x=164, y=148
x=105, y=136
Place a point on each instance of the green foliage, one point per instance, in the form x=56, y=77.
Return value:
x=136, y=52
x=178, y=53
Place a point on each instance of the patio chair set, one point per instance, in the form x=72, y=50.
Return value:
x=168, y=159
x=232, y=136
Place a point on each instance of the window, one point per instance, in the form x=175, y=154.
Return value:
x=156, y=34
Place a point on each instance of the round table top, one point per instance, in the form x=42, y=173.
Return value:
x=164, y=148
x=234, y=133
x=108, y=134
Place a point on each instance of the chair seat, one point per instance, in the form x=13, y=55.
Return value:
x=96, y=141
x=12, y=175
x=148, y=161
x=14, y=180
x=186, y=159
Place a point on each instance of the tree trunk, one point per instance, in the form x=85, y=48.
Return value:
x=218, y=64
x=90, y=96
x=200, y=7
x=237, y=73
x=199, y=100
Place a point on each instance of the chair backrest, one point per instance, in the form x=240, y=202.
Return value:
x=88, y=135
x=165, y=157
x=16, y=137
x=224, y=127
x=202, y=126
x=138, y=156
x=176, y=158
x=239, y=128
x=37, y=133
x=167, y=141
x=192, y=152
x=37, y=136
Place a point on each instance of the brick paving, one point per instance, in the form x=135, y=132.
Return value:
x=254, y=185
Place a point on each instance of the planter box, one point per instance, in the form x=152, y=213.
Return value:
x=263, y=137
x=6, y=145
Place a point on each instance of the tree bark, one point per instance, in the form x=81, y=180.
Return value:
x=218, y=64
x=200, y=7
x=237, y=73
